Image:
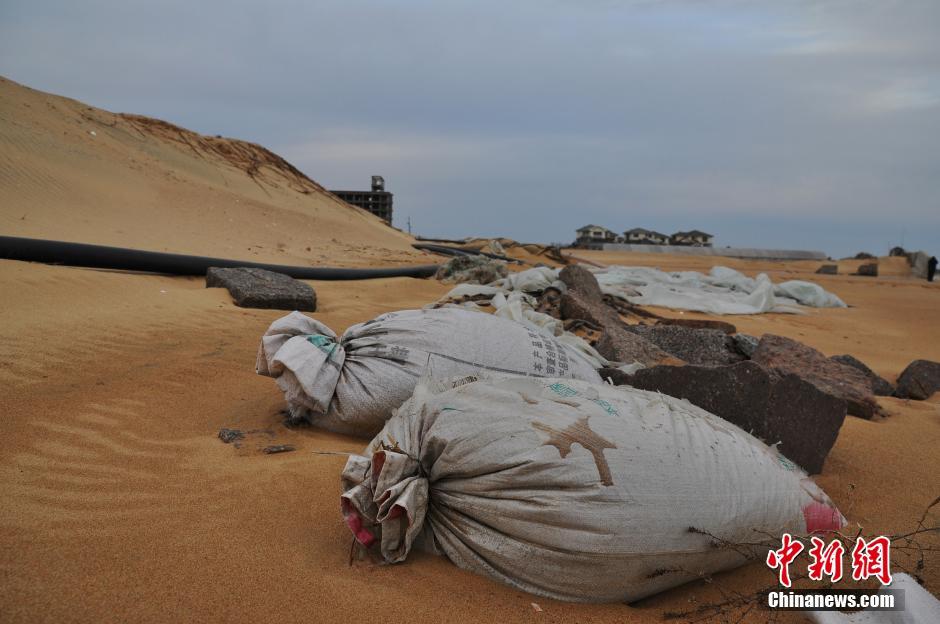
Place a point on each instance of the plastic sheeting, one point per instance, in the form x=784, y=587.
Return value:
x=721, y=291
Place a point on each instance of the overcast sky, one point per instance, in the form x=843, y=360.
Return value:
x=809, y=124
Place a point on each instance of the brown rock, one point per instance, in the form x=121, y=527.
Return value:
x=574, y=305
x=723, y=326
x=919, y=380
x=585, y=301
x=706, y=347
x=619, y=345
x=580, y=280
x=776, y=408
x=879, y=385
x=844, y=382
x=870, y=270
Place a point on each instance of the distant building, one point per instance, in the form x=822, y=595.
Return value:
x=594, y=234
x=692, y=238
x=378, y=201
x=639, y=236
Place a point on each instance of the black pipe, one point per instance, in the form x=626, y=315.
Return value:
x=103, y=257
x=462, y=251
x=444, y=250
x=440, y=240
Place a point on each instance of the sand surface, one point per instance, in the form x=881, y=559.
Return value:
x=69, y=171
x=120, y=503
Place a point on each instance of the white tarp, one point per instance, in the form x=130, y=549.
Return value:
x=352, y=384
x=721, y=291
x=574, y=490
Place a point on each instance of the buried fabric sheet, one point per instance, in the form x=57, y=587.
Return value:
x=574, y=490
x=352, y=384
x=721, y=291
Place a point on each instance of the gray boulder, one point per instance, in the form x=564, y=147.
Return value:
x=869, y=270
x=258, y=288
x=745, y=344
x=828, y=269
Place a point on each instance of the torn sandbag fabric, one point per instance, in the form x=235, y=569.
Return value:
x=352, y=384
x=574, y=490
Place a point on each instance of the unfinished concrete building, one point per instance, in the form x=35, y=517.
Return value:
x=378, y=201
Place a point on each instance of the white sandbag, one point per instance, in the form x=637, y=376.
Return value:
x=470, y=290
x=519, y=307
x=351, y=385
x=535, y=279
x=574, y=490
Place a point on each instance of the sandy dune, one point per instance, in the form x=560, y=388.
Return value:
x=119, y=502
x=72, y=172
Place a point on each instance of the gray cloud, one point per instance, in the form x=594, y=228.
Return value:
x=794, y=123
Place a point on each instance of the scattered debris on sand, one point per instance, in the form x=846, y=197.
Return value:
x=230, y=435
x=472, y=270
x=278, y=448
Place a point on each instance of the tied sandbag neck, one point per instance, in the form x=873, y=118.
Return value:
x=389, y=504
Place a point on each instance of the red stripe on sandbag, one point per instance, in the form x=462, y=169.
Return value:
x=821, y=518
